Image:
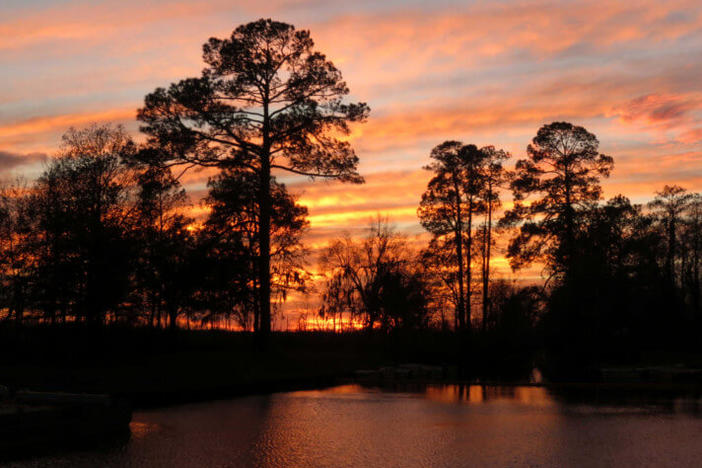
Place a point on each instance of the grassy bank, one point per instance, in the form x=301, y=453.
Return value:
x=156, y=367
x=161, y=367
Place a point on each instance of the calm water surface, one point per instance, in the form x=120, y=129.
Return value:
x=443, y=426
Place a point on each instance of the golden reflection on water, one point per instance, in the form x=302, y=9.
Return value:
x=405, y=425
x=413, y=426
x=535, y=396
x=141, y=430
x=451, y=393
x=339, y=390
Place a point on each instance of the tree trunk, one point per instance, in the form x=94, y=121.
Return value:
x=469, y=269
x=696, y=272
x=264, y=233
x=671, y=250
x=152, y=317
x=484, y=277
x=173, y=316
x=460, y=312
x=569, y=224
x=486, y=264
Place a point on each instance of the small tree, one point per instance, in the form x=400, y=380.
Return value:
x=693, y=250
x=163, y=242
x=374, y=279
x=82, y=199
x=17, y=258
x=669, y=205
x=265, y=101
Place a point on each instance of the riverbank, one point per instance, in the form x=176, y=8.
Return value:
x=159, y=368
x=32, y=423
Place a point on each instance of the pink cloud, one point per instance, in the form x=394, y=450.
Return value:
x=663, y=110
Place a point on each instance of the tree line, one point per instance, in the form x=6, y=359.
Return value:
x=104, y=234
x=616, y=277
x=101, y=236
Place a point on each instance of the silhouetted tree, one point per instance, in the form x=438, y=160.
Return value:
x=669, y=205
x=231, y=233
x=516, y=309
x=56, y=272
x=17, y=258
x=374, y=279
x=563, y=171
x=447, y=208
x=83, y=199
x=692, y=240
x=494, y=178
x=163, y=241
x=265, y=101
x=439, y=263
x=611, y=304
x=405, y=298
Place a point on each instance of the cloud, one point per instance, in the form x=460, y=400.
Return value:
x=10, y=160
x=662, y=110
x=692, y=136
x=43, y=133
x=54, y=122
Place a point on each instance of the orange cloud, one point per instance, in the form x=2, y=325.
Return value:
x=78, y=21
x=657, y=109
x=34, y=132
x=692, y=136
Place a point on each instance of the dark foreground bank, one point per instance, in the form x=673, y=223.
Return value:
x=157, y=367
x=35, y=423
x=160, y=367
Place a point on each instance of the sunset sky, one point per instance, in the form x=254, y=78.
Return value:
x=480, y=72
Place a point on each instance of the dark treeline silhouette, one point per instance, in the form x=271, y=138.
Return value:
x=621, y=279
x=105, y=234
x=102, y=237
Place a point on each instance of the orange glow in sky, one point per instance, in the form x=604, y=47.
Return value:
x=488, y=73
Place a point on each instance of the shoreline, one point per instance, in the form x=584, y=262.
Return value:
x=158, y=368
x=165, y=400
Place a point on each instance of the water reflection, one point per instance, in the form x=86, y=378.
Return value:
x=489, y=393
x=418, y=425
x=643, y=398
x=140, y=429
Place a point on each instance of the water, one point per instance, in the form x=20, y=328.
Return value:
x=442, y=426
